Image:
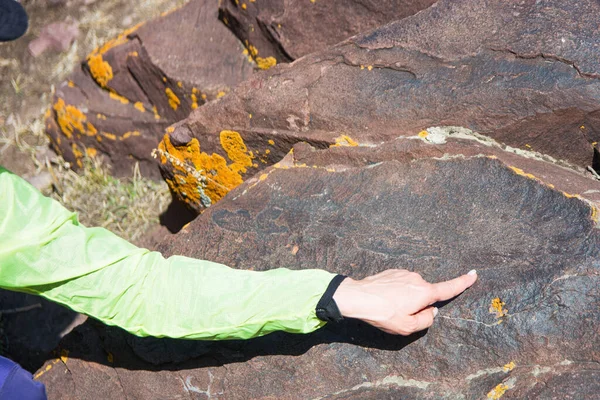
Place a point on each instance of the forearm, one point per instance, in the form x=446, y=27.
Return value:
x=43, y=250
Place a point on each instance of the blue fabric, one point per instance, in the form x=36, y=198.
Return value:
x=18, y=384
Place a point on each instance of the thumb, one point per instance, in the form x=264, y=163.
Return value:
x=424, y=318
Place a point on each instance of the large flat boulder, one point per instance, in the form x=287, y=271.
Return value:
x=440, y=204
x=130, y=89
x=277, y=31
x=523, y=73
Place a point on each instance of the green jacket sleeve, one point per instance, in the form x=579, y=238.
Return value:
x=44, y=250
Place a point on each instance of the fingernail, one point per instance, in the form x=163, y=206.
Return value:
x=472, y=272
x=435, y=312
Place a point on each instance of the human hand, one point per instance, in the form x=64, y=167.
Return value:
x=397, y=301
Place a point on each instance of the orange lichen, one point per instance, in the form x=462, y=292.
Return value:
x=203, y=95
x=203, y=179
x=220, y=94
x=139, y=106
x=370, y=67
x=70, y=84
x=236, y=150
x=101, y=116
x=423, y=134
x=101, y=70
x=179, y=84
x=266, y=63
x=497, y=392
x=70, y=119
x=170, y=129
x=509, y=367
x=271, y=142
x=194, y=101
x=174, y=101
x=133, y=54
x=344, y=140
x=244, y=6
x=263, y=177
x=115, y=96
x=91, y=152
x=249, y=115
x=497, y=308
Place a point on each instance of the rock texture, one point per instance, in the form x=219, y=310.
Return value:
x=523, y=73
x=441, y=204
x=129, y=90
x=282, y=31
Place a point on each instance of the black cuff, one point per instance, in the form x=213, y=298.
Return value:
x=327, y=310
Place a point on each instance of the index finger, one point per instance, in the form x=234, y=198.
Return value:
x=452, y=288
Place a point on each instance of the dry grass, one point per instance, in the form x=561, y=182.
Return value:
x=126, y=206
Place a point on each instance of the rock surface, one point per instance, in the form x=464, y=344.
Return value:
x=440, y=204
x=525, y=74
x=287, y=30
x=129, y=90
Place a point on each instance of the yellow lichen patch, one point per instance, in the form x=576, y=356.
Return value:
x=101, y=70
x=528, y=146
x=344, y=140
x=126, y=135
x=70, y=84
x=70, y=119
x=266, y=63
x=236, y=150
x=509, y=367
x=77, y=154
x=370, y=67
x=519, y=171
x=271, y=142
x=99, y=138
x=164, y=79
x=91, y=129
x=570, y=196
x=244, y=6
x=203, y=95
x=497, y=392
x=267, y=151
x=594, y=214
x=115, y=96
x=249, y=115
x=263, y=177
x=220, y=94
x=497, y=308
x=179, y=84
x=170, y=129
x=101, y=116
x=121, y=39
x=174, y=101
x=139, y=106
x=194, y=101
x=155, y=111
x=253, y=50
x=423, y=134
x=109, y=136
x=91, y=152
x=133, y=54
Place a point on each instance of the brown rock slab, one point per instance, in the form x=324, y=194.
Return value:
x=527, y=328
x=129, y=90
x=282, y=31
x=524, y=74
